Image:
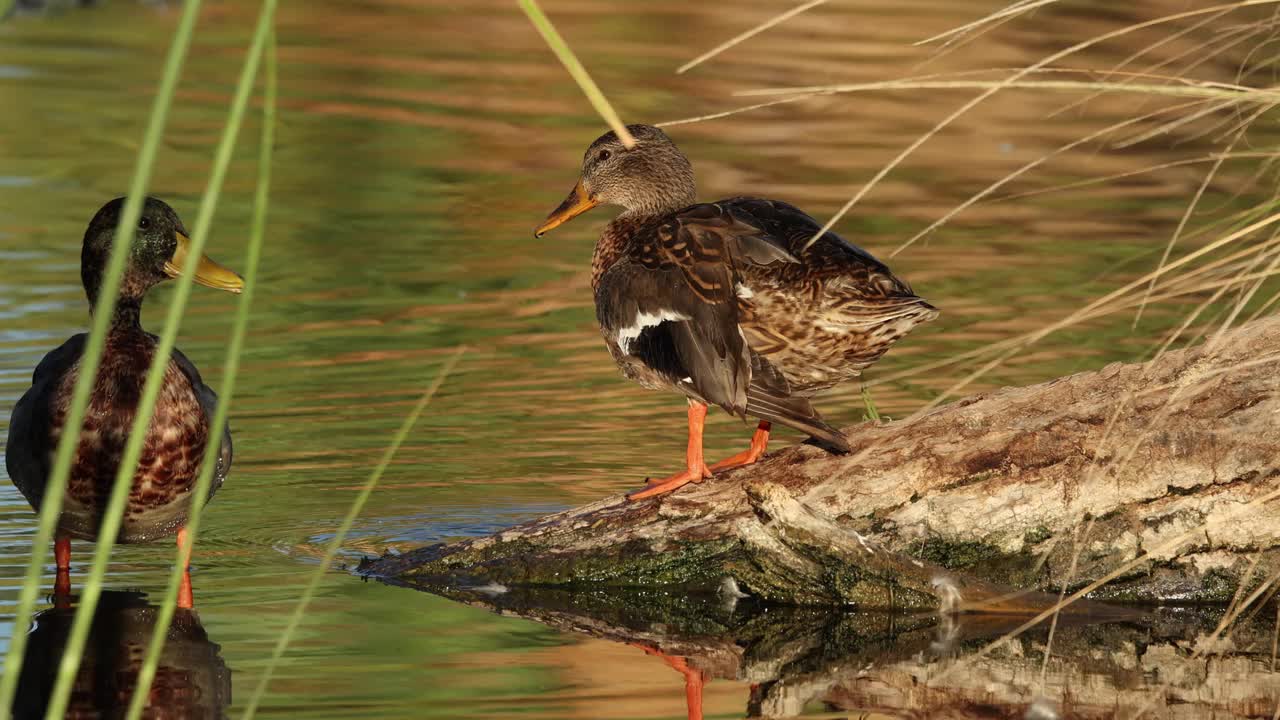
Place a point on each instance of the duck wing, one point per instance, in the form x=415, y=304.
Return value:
x=827, y=317
x=790, y=228
x=831, y=257
x=683, y=334
x=671, y=305
x=209, y=404
x=28, y=454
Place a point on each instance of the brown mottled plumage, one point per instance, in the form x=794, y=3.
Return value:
x=161, y=493
x=726, y=302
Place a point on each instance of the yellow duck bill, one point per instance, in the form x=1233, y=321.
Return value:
x=578, y=202
x=208, y=272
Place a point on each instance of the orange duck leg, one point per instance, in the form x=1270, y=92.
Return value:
x=62, y=580
x=696, y=469
x=759, y=443
x=694, y=680
x=186, y=599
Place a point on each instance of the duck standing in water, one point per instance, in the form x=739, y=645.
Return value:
x=161, y=494
x=726, y=302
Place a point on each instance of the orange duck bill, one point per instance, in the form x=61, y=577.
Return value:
x=578, y=202
x=208, y=272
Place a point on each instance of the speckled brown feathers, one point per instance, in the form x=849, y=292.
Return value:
x=825, y=319
x=161, y=492
x=160, y=495
x=727, y=302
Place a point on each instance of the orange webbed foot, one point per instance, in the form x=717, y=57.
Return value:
x=695, y=469
x=661, y=486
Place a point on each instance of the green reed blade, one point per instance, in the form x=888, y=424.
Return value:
x=870, y=412
x=331, y=550
x=231, y=366
x=576, y=70
x=89, y=361
x=114, y=513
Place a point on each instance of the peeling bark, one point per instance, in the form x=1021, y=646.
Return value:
x=1172, y=461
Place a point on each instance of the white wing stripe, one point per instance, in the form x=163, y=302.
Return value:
x=626, y=336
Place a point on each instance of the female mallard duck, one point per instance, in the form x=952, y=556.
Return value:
x=726, y=302
x=180, y=428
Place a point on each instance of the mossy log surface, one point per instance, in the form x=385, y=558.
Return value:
x=1172, y=463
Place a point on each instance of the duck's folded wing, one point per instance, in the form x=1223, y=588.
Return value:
x=209, y=404
x=712, y=234
x=671, y=304
x=58, y=361
x=790, y=228
x=29, y=449
x=683, y=330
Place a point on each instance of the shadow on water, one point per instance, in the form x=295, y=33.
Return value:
x=192, y=680
x=1116, y=663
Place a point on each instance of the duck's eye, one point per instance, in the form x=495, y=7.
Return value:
x=144, y=223
x=604, y=155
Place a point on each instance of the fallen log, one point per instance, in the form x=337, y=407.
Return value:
x=1167, y=469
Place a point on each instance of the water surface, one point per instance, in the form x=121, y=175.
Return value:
x=420, y=143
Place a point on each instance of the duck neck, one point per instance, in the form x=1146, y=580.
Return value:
x=127, y=314
x=674, y=193
x=612, y=244
x=642, y=210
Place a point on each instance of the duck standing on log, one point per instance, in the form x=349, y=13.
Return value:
x=728, y=302
x=181, y=427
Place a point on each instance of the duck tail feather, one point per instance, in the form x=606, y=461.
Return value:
x=798, y=413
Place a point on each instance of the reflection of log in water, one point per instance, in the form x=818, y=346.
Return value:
x=192, y=681
x=920, y=666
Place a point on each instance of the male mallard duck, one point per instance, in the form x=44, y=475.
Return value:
x=723, y=301
x=166, y=474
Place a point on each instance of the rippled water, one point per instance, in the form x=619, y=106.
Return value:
x=420, y=143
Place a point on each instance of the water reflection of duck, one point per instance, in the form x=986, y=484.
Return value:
x=192, y=681
x=695, y=679
x=726, y=302
x=162, y=485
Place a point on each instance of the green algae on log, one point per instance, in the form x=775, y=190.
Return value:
x=1167, y=468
